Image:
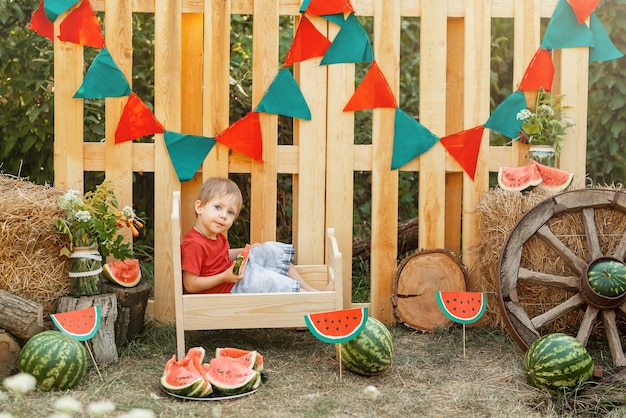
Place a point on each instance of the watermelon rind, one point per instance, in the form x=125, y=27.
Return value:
x=557, y=362
x=516, y=179
x=87, y=318
x=108, y=270
x=370, y=353
x=553, y=179
x=467, y=318
x=195, y=388
x=57, y=361
x=319, y=324
x=230, y=378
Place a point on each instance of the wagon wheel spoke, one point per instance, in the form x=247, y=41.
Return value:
x=591, y=232
x=586, y=324
x=558, y=311
x=620, y=250
x=546, y=234
x=612, y=334
x=550, y=280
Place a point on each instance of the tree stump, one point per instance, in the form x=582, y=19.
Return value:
x=9, y=354
x=131, y=309
x=22, y=317
x=103, y=343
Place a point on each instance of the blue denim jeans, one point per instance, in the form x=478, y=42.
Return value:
x=267, y=270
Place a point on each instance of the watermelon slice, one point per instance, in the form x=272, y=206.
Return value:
x=519, y=178
x=252, y=359
x=462, y=307
x=81, y=324
x=240, y=262
x=553, y=179
x=337, y=326
x=125, y=273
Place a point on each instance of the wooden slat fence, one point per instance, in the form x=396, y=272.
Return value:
x=192, y=56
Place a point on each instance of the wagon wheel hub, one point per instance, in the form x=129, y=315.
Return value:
x=593, y=298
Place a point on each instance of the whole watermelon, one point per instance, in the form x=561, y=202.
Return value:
x=607, y=277
x=57, y=361
x=557, y=361
x=369, y=353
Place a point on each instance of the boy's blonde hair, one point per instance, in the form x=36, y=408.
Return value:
x=218, y=187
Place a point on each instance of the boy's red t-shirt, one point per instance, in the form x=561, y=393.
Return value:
x=203, y=256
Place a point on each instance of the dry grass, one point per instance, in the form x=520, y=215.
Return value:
x=430, y=376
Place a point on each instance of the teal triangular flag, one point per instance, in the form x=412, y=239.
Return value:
x=604, y=50
x=410, y=139
x=283, y=97
x=103, y=79
x=187, y=152
x=350, y=45
x=304, y=5
x=563, y=30
x=53, y=8
x=504, y=117
x=337, y=18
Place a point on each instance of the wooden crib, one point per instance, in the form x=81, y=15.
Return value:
x=253, y=310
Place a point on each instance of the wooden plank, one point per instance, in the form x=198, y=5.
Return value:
x=167, y=107
x=68, y=124
x=384, y=181
x=433, y=45
x=309, y=190
x=118, y=23
x=264, y=67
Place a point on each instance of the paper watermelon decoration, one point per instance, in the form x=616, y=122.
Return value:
x=81, y=324
x=462, y=307
x=337, y=327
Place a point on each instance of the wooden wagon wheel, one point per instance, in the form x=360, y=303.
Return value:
x=577, y=293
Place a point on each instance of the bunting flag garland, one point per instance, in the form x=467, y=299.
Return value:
x=187, y=152
x=504, y=117
x=54, y=8
x=137, y=120
x=350, y=45
x=539, y=73
x=338, y=19
x=464, y=148
x=244, y=136
x=40, y=23
x=583, y=9
x=81, y=27
x=103, y=79
x=328, y=7
x=563, y=31
x=372, y=92
x=307, y=43
x=410, y=139
x=605, y=49
x=283, y=97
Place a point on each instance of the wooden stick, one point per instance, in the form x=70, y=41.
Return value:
x=339, y=346
x=463, y=340
x=94, y=360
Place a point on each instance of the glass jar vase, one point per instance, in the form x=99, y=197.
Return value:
x=85, y=266
x=543, y=154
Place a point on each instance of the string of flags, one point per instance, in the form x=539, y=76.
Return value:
x=567, y=28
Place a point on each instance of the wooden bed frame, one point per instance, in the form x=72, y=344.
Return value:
x=253, y=310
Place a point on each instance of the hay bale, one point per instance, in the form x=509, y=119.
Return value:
x=30, y=265
x=498, y=212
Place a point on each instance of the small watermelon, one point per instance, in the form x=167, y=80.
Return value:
x=125, y=273
x=557, y=361
x=337, y=326
x=607, y=277
x=462, y=307
x=552, y=178
x=229, y=377
x=251, y=359
x=371, y=352
x=81, y=324
x=519, y=178
x=57, y=361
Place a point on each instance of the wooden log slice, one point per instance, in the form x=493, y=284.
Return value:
x=131, y=309
x=417, y=279
x=9, y=354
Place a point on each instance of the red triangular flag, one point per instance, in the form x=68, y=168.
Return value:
x=464, y=147
x=539, y=73
x=40, y=23
x=244, y=136
x=137, y=120
x=583, y=9
x=329, y=7
x=82, y=27
x=374, y=91
x=307, y=43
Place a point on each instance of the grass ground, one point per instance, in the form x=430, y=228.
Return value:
x=430, y=376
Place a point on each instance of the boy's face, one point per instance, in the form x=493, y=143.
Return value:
x=217, y=215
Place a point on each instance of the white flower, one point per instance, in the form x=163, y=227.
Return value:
x=59, y=415
x=138, y=413
x=20, y=383
x=371, y=391
x=524, y=114
x=101, y=408
x=128, y=212
x=82, y=216
x=70, y=200
x=5, y=415
x=68, y=405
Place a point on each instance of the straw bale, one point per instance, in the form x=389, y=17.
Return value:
x=30, y=265
x=498, y=213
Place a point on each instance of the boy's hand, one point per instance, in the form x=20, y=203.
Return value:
x=229, y=276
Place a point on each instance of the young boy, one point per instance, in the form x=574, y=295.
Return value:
x=207, y=259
